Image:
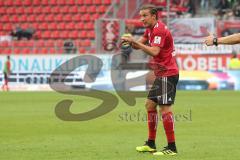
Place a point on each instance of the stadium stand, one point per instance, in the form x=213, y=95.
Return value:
x=54, y=21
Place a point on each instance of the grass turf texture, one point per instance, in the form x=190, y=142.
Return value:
x=207, y=128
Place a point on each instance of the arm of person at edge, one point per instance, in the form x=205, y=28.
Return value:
x=140, y=44
x=231, y=39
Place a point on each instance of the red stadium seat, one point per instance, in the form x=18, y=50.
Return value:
x=82, y=34
x=86, y=17
x=26, y=50
x=79, y=2
x=52, y=50
x=91, y=34
x=55, y=9
x=46, y=9
x=64, y=9
x=102, y=9
x=88, y=2
x=2, y=10
x=28, y=10
x=81, y=50
x=73, y=35
x=64, y=34
x=30, y=43
x=70, y=2
x=61, y=2
x=67, y=17
x=52, y=26
x=49, y=43
x=8, y=3
x=97, y=2
x=107, y=2
x=24, y=25
x=18, y=2
x=96, y=16
x=35, y=50
x=77, y=17
x=16, y=50
x=22, y=18
x=40, y=17
x=35, y=25
x=15, y=44
x=11, y=10
x=61, y=26
x=73, y=9
x=89, y=26
x=92, y=9
x=37, y=10
x=7, y=27
x=40, y=43
x=31, y=18
x=44, y=2
x=36, y=2
x=19, y=10
x=86, y=43
x=55, y=35
x=43, y=26
x=70, y=26
x=79, y=26
x=4, y=18
x=26, y=2
x=92, y=50
x=83, y=9
x=46, y=34
x=53, y=2
x=43, y=50
x=14, y=19
x=59, y=43
x=4, y=44
x=7, y=50
x=49, y=18
x=58, y=18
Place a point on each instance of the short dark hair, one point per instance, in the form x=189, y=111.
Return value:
x=153, y=10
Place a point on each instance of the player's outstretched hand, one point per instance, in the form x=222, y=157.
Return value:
x=209, y=39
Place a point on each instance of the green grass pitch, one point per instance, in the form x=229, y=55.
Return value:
x=207, y=128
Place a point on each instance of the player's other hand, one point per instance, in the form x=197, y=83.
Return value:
x=209, y=39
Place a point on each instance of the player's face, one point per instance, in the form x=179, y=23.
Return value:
x=147, y=18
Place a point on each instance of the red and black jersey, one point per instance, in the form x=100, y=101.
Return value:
x=164, y=64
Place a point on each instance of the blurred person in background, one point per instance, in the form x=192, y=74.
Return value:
x=236, y=8
x=234, y=63
x=222, y=9
x=69, y=47
x=17, y=32
x=6, y=73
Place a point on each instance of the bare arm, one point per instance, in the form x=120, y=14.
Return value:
x=232, y=39
x=140, y=40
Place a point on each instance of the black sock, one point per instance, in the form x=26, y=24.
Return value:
x=151, y=143
x=172, y=146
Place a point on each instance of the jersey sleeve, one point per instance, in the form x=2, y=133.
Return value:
x=158, y=38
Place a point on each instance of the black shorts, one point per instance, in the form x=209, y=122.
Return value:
x=163, y=90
